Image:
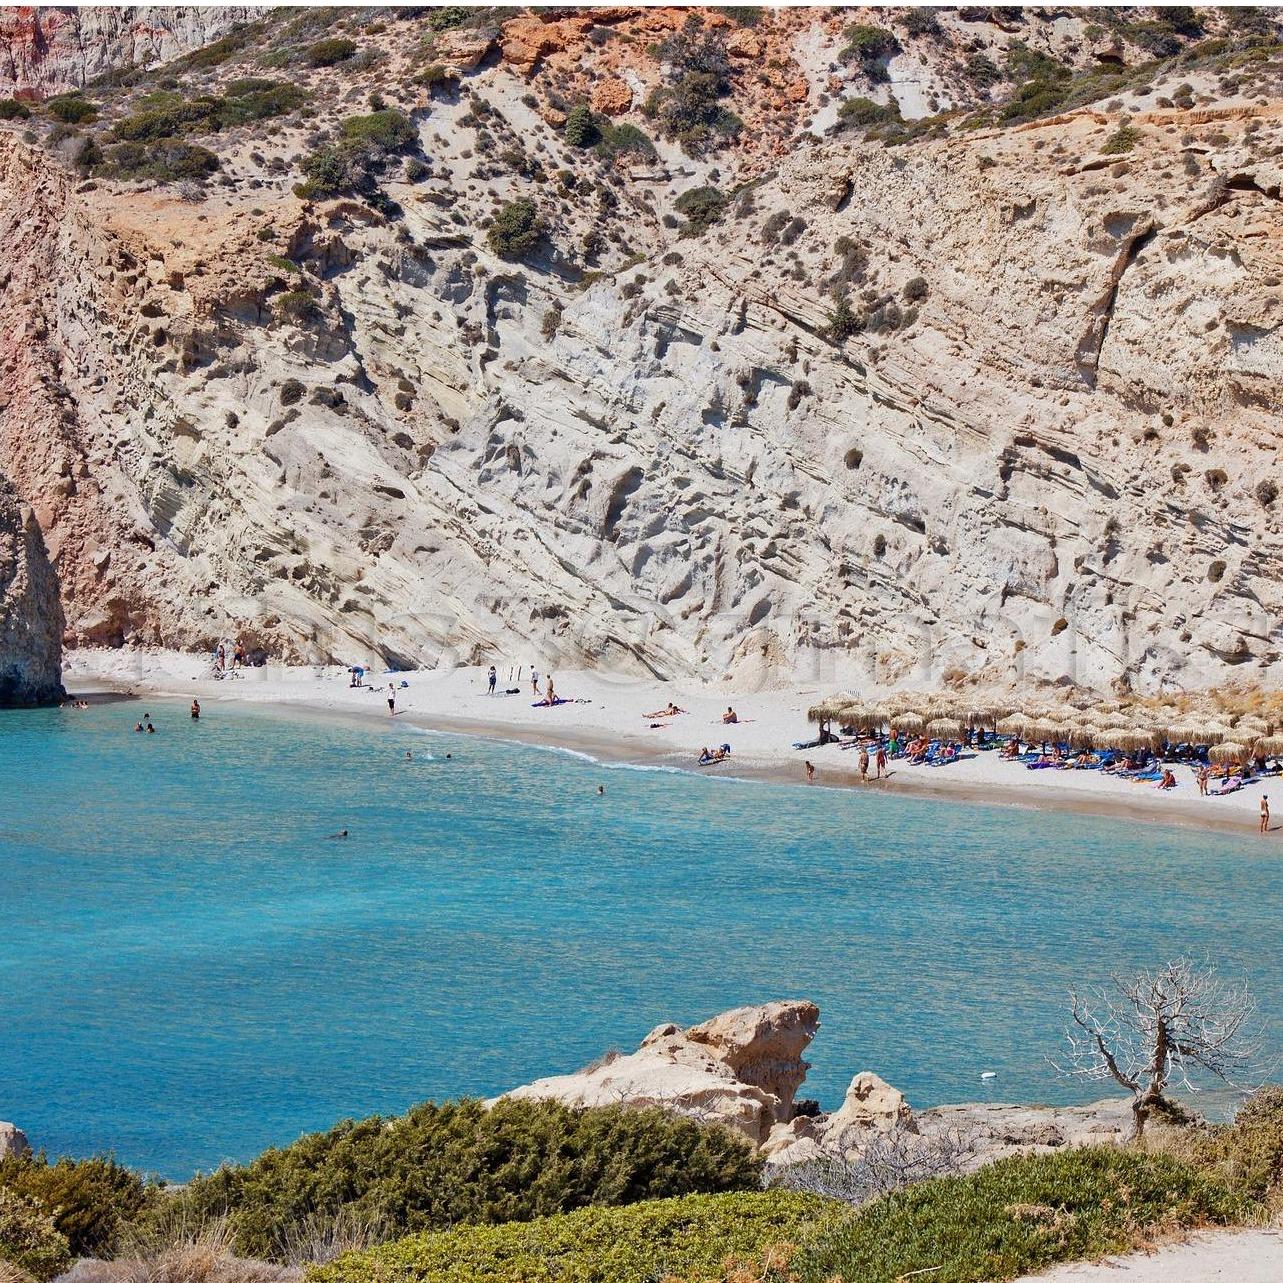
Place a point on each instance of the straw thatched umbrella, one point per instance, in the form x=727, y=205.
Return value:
x=1012, y=724
x=1269, y=746
x=1194, y=732
x=910, y=722
x=1229, y=751
x=1043, y=732
x=865, y=717
x=944, y=727
x=827, y=709
x=1088, y=736
x=983, y=713
x=1127, y=740
x=1118, y=721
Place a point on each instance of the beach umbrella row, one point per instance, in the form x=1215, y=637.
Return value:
x=1084, y=724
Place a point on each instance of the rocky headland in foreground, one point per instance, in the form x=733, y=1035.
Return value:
x=744, y=1068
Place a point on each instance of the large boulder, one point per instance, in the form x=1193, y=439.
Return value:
x=31, y=619
x=13, y=1141
x=741, y=1068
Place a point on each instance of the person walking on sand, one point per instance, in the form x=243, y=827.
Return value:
x=1265, y=813
x=810, y=773
x=534, y=681
x=881, y=761
x=391, y=700
x=864, y=765
x=494, y=677
x=195, y=710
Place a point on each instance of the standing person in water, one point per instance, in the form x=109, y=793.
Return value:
x=195, y=710
x=494, y=677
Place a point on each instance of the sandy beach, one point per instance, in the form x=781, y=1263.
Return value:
x=605, y=717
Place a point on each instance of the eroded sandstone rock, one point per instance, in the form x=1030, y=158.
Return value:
x=741, y=1068
x=31, y=619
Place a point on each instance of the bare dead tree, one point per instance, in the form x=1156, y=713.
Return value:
x=1170, y=1026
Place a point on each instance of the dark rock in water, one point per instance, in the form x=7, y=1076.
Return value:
x=31, y=619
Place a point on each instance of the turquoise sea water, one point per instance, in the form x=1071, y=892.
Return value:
x=190, y=971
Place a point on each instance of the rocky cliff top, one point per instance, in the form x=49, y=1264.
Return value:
x=867, y=347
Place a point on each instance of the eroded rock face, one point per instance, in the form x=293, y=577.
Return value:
x=740, y=1068
x=49, y=49
x=13, y=1141
x=31, y=619
x=1046, y=451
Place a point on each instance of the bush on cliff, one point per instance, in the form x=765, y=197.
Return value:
x=517, y=230
x=90, y=1200
x=441, y=1165
x=1246, y=1155
x=353, y=163
x=166, y=161
x=170, y=114
x=688, y=1238
x=13, y=109
x=28, y=1239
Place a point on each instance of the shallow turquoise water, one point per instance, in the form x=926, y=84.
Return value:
x=190, y=971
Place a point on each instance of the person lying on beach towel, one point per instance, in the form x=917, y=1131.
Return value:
x=707, y=758
x=671, y=711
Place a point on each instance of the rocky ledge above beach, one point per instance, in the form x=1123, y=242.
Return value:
x=31, y=618
x=744, y=1068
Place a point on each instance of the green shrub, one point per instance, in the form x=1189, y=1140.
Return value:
x=28, y=1238
x=870, y=47
x=688, y=105
x=1019, y=1216
x=72, y=109
x=436, y=77
x=843, y=321
x=12, y=109
x=168, y=114
x=702, y=206
x=442, y=1165
x=1247, y=1155
x=1120, y=141
x=687, y=1237
x=448, y=16
x=165, y=161
x=517, y=230
x=298, y=306
x=214, y=55
x=388, y=130
x=581, y=128
x=91, y=1200
x=328, y=52
x=623, y=139
x=353, y=163
x=863, y=112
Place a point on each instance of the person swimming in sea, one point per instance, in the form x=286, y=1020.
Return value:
x=138, y=726
x=195, y=710
x=342, y=833
x=151, y=730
